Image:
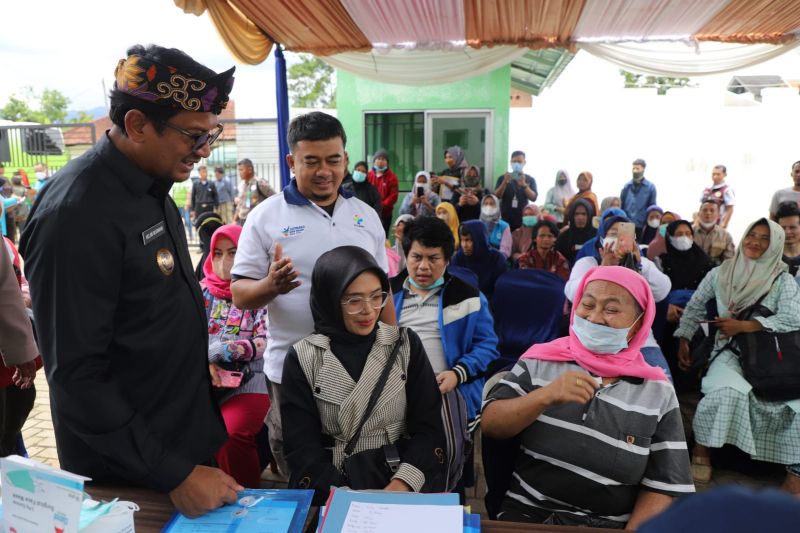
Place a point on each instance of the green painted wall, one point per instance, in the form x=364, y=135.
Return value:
x=356, y=95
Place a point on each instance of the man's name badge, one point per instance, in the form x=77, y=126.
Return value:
x=165, y=261
x=153, y=233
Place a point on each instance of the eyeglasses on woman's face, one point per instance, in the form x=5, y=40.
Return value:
x=355, y=304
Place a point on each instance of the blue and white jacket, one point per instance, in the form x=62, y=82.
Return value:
x=468, y=336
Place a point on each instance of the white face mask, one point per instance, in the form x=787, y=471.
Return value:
x=681, y=243
x=600, y=339
x=707, y=225
x=489, y=210
x=605, y=241
x=654, y=222
x=443, y=216
x=40, y=175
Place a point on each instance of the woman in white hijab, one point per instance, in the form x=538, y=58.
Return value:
x=499, y=230
x=421, y=201
x=559, y=196
x=730, y=412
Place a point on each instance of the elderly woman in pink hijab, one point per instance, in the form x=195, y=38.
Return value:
x=602, y=443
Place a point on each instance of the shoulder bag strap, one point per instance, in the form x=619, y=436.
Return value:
x=376, y=392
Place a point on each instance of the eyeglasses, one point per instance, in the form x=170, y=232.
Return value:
x=354, y=305
x=200, y=139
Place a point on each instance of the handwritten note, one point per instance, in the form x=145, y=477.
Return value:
x=397, y=518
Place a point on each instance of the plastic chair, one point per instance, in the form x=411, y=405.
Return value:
x=528, y=306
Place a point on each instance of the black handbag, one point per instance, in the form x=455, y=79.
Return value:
x=770, y=361
x=372, y=469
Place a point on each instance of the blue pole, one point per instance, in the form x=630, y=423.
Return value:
x=282, y=99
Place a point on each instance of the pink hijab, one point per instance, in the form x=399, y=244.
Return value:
x=628, y=362
x=218, y=287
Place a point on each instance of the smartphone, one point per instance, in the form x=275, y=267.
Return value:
x=626, y=237
x=420, y=191
x=229, y=378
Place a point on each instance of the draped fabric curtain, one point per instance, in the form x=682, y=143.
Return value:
x=320, y=27
x=429, y=24
x=540, y=24
x=410, y=67
x=246, y=42
x=678, y=59
x=754, y=21
x=416, y=42
x=636, y=20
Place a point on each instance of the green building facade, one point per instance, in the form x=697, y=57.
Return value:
x=416, y=123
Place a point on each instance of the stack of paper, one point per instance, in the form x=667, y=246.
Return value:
x=350, y=511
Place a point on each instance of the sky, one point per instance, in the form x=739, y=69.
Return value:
x=74, y=46
x=586, y=120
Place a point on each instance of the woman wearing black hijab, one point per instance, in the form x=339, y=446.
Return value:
x=205, y=224
x=685, y=264
x=328, y=378
x=580, y=229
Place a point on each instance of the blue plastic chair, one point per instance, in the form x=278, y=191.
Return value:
x=464, y=274
x=528, y=306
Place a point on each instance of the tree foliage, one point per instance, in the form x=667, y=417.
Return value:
x=662, y=83
x=311, y=83
x=47, y=108
x=53, y=105
x=17, y=110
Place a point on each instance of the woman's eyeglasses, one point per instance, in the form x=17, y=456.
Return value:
x=354, y=305
x=200, y=139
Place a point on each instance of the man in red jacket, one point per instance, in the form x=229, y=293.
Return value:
x=382, y=177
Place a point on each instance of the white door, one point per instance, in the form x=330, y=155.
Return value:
x=471, y=130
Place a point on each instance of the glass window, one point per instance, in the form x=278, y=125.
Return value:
x=402, y=135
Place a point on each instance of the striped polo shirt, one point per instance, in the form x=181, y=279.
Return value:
x=593, y=459
x=421, y=314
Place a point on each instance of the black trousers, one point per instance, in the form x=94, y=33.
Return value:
x=386, y=220
x=15, y=405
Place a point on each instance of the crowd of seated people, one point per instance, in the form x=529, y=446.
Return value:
x=594, y=411
x=633, y=308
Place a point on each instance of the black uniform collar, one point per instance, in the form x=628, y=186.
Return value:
x=134, y=179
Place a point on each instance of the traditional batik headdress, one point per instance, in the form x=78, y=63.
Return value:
x=165, y=85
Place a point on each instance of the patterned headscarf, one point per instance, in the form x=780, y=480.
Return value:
x=164, y=85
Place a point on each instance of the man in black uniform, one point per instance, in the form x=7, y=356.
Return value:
x=204, y=194
x=123, y=328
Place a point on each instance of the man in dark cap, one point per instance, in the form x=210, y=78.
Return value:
x=124, y=334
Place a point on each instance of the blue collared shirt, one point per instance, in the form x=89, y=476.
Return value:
x=224, y=190
x=636, y=198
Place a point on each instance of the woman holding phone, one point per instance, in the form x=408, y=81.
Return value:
x=421, y=201
x=236, y=343
x=616, y=246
